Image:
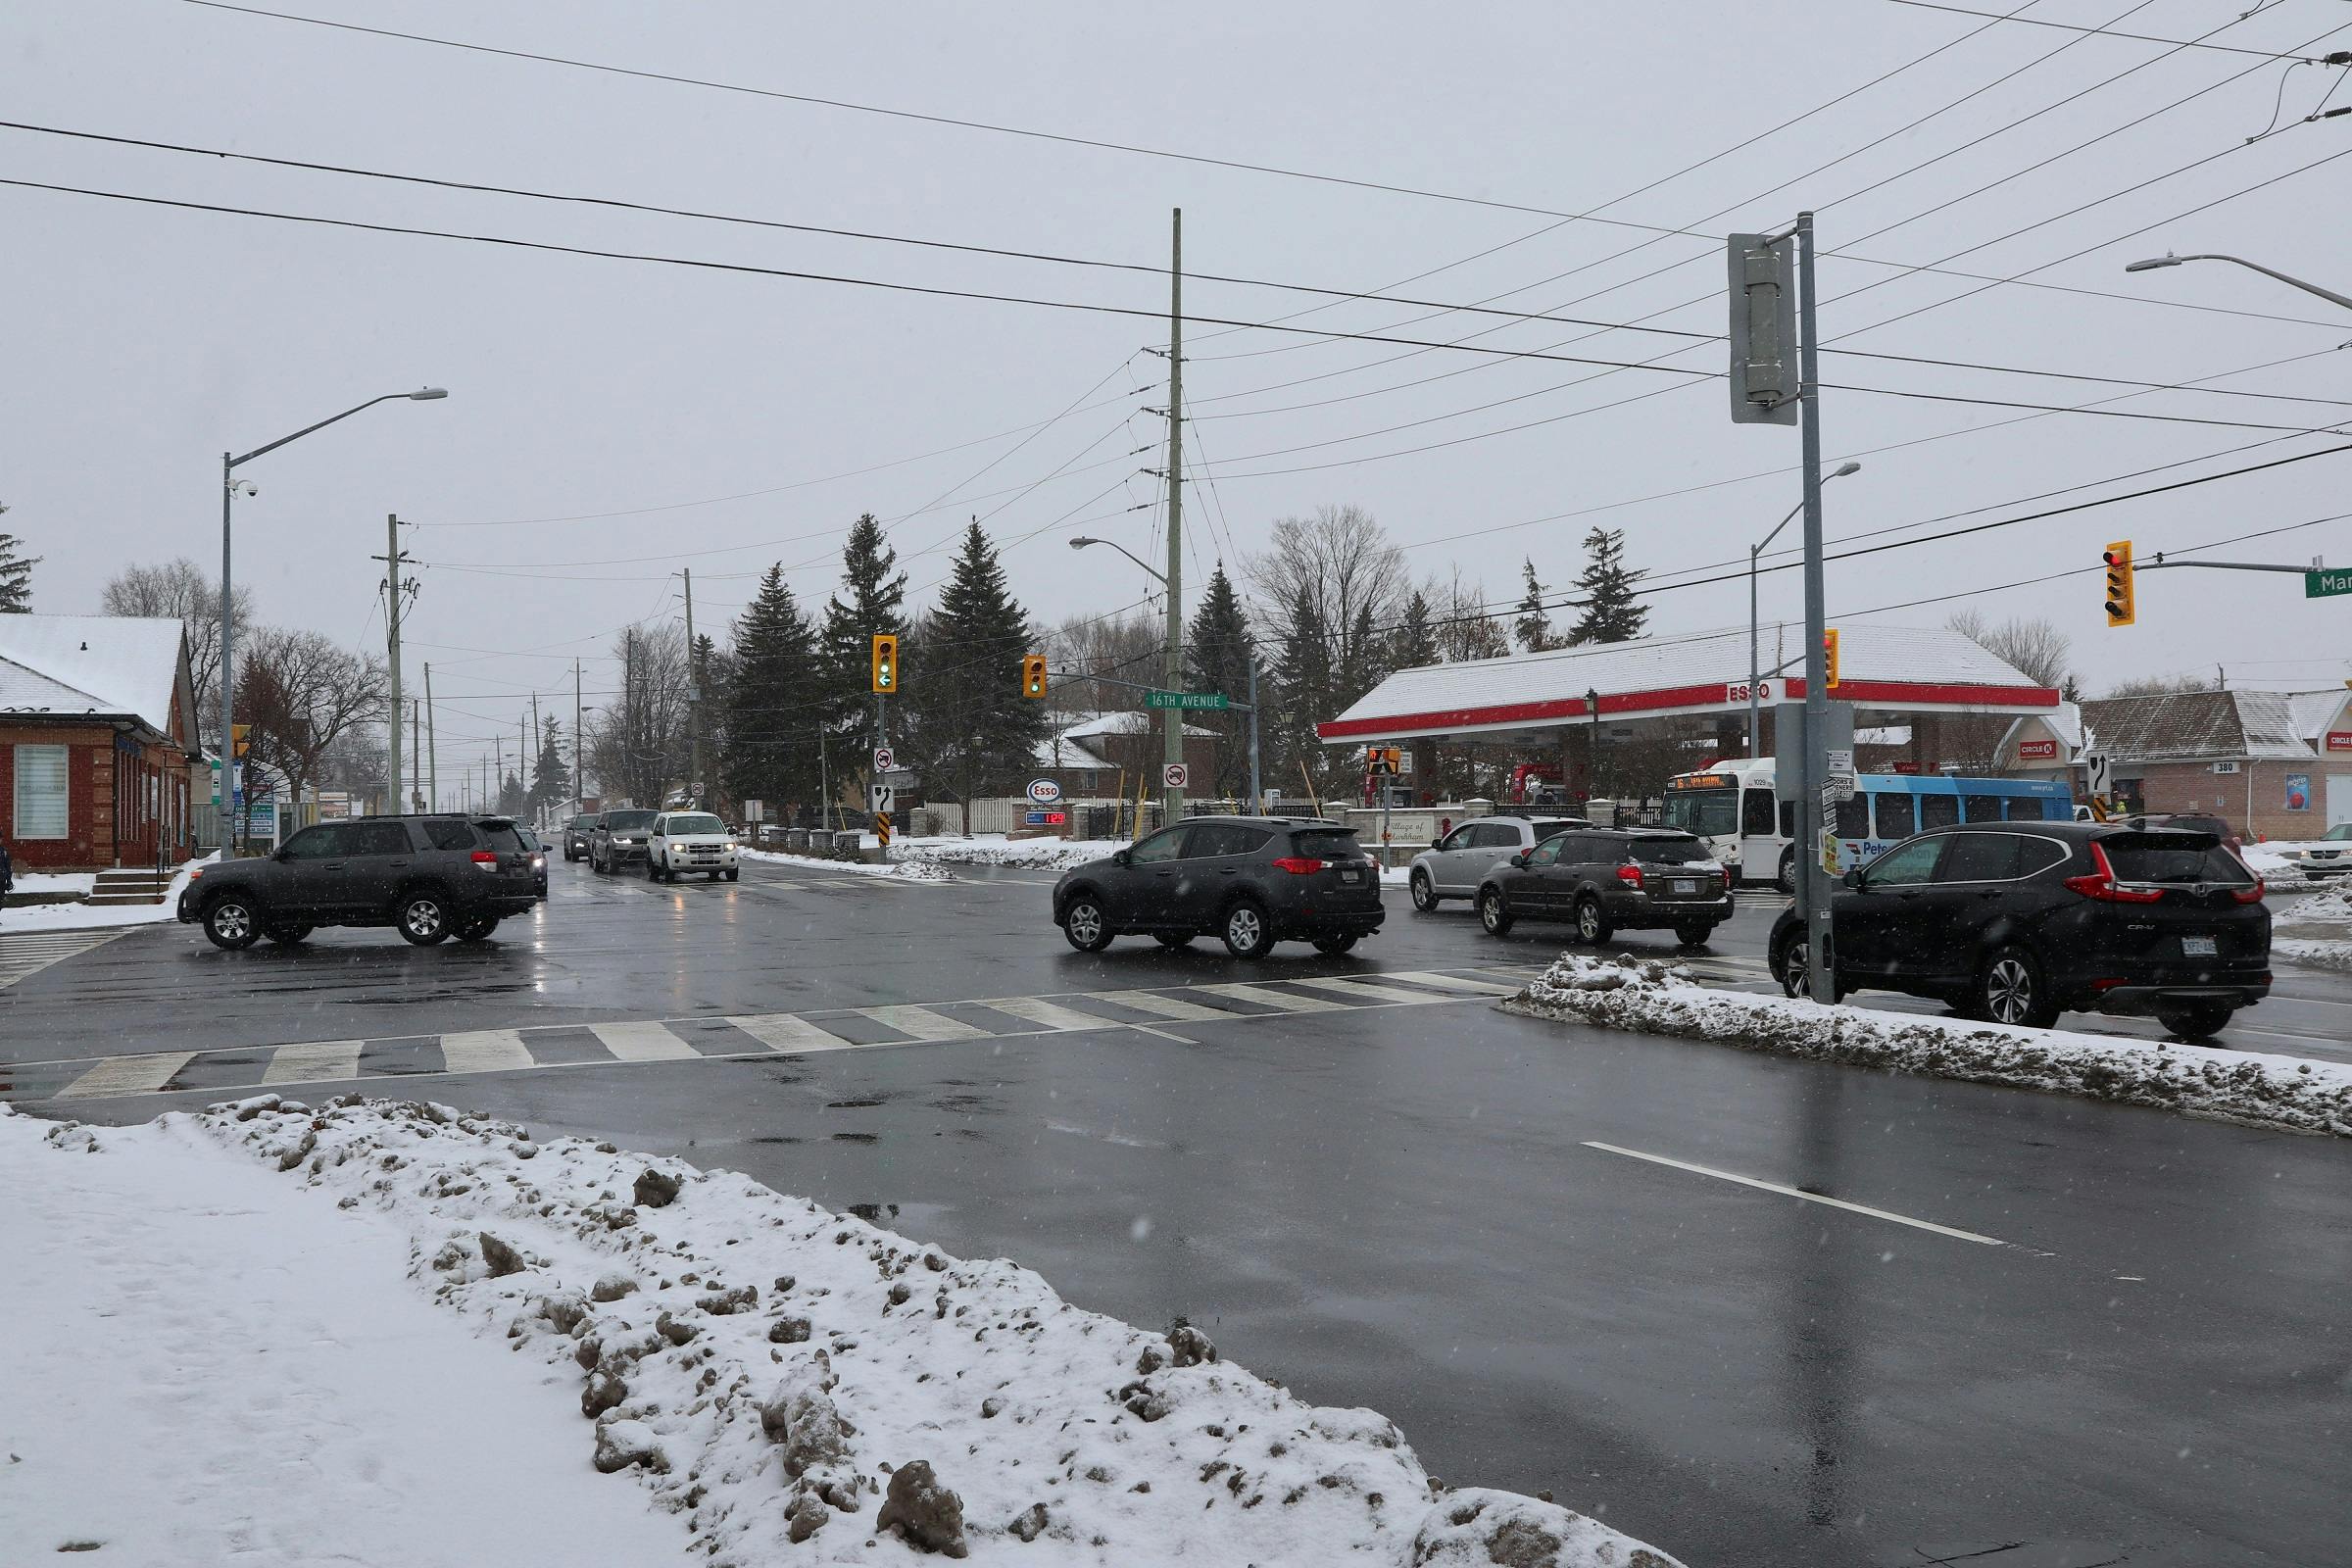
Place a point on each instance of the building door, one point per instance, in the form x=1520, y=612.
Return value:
x=2339, y=798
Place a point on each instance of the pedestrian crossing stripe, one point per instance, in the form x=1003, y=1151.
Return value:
x=24, y=954
x=229, y=1069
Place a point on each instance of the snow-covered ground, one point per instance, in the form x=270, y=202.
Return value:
x=2332, y=905
x=896, y=871
x=995, y=849
x=77, y=884
x=2313, y=954
x=229, y=1363
x=1652, y=998
x=81, y=916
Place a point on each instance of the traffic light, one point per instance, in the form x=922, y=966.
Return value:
x=244, y=739
x=2117, y=556
x=1382, y=759
x=886, y=663
x=1828, y=659
x=1033, y=675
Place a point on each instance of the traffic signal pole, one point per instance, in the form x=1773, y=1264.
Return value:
x=1814, y=881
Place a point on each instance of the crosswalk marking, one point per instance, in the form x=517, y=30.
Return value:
x=1366, y=991
x=24, y=954
x=130, y=1075
x=1159, y=1003
x=640, y=1042
x=485, y=1051
x=922, y=1023
x=1046, y=1014
x=784, y=1031
x=1449, y=982
x=1287, y=1002
x=312, y=1063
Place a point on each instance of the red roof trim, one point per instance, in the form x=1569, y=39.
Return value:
x=1885, y=692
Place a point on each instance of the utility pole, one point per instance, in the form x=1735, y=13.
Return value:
x=579, y=755
x=693, y=699
x=531, y=755
x=1256, y=798
x=496, y=792
x=1815, y=882
x=416, y=761
x=1172, y=747
x=393, y=560
x=432, y=753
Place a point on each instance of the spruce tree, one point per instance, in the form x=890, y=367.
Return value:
x=1534, y=626
x=1304, y=684
x=1416, y=637
x=1218, y=649
x=769, y=751
x=872, y=604
x=1612, y=614
x=967, y=726
x=15, y=576
x=551, y=778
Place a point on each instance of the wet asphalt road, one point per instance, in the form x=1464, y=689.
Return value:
x=2135, y=1343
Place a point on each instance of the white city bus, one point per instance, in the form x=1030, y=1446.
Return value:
x=1731, y=805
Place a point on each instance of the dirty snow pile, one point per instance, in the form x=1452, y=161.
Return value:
x=2330, y=905
x=896, y=871
x=995, y=849
x=2313, y=955
x=1652, y=998
x=790, y=1383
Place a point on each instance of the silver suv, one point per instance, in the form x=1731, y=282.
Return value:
x=1454, y=865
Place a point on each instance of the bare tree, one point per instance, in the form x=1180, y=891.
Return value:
x=179, y=590
x=2037, y=649
x=301, y=691
x=638, y=743
x=1460, y=618
x=1340, y=564
x=1122, y=646
x=2157, y=686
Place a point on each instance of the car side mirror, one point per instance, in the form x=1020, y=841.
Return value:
x=1853, y=879
x=1121, y=858
x=1520, y=860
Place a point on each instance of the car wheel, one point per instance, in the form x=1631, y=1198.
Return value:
x=1493, y=913
x=1693, y=936
x=1590, y=924
x=734, y=873
x=2010, y=990
x=232, y=922
x=1085, y=924
x=2199, y=1021
x=1333, y=947
x=652, y=869
x=1248, y=934
x=1425, y=895
x=1172, y=940
x=476, y=929
x=422, y=918
x=1794, y=966
x=1785, y=878
x=288, y=935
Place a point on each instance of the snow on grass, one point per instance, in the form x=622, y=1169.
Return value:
x=214, y=1366
x=1651, y=997
x=84, y=916
x=897, y=872
x=763, y=1370
x=2313, y=955
x=74, y=884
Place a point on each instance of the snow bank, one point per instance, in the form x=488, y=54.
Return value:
x=84, y=917
x=897, y=872
x=1652, y=998
x=995, y=849
x=2332, y=905
x=796, y=1386
x=2313, y=955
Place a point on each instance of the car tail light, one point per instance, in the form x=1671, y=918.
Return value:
x=2101, y=883
x=486, y=860
x=2252, y=894
x=1298, y=864
x=1630, y=875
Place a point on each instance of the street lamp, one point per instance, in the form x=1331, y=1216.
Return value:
x=1081, y=542
x=2170, y=259
x=1756, y=730
x=228, y=490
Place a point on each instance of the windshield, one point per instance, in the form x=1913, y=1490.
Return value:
x=627, y=819
x=2172, y=858
x=688, y=822
x=1327, y=844
x=1670, y=851
x=1708, y=812
x=584, y=819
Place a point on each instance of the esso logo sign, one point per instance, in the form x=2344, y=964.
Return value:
x=1738, y=692
x=1043, y=791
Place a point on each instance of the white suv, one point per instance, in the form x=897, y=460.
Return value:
x=1454, y=865
x=683, y=842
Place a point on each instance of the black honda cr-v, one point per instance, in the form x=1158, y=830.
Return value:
x=1252, y=880
x=2017, y=922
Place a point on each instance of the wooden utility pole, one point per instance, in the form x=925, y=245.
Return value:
x=693, y=699
x=432, y=765
x=1172, y=745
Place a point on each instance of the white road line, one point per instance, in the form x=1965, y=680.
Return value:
x=24, y=953
x=921, y=1023
x=1165, y=1006
x=1793, y=1192
x=1451, y=982
x=790, y=1033
x=313, y=1062
x=1272, y=998
x=1164, y=1034
x=1367, y=991
x=485, y=1051
x=127, y=1075
x=640, y=1042
x=1048, y=1014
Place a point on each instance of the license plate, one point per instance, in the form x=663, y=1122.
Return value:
x=1352, y=876
x=1685, y=885
x=2199, y=948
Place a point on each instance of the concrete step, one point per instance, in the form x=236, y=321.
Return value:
x=115, y=899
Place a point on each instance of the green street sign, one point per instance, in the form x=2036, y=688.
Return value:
x=2326, y=583
x=1187, y=700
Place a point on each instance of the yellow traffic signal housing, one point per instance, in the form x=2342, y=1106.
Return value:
x=886, y=663
x=1828, y=658
x=2120, y=608
x=1033, y=675
x=244, y=738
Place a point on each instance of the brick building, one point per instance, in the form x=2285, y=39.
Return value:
x=97, y=729
x=2278, y=765
x=1090, y=759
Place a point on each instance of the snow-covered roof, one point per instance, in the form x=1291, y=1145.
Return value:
x=1070, y=754
x=1883, y=735
x=122, y=666
x=2315, y=712
x=2197, y=725
x=1129, y=723
x=1900, y=667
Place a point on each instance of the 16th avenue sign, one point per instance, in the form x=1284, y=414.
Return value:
x=1187, y=700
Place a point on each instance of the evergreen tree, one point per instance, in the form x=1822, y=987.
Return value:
x=772, y=707
x=1303, y=683
x=512, y=796
x=1364, y=660
x=966, y=724
x=1416, y=637
x=1612, y=614
x=1218, y=649
x=15, y=576
x=872, y=604
x=1534, y=626
x=551, y=779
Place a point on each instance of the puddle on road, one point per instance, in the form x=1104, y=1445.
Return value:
x=857, y=1137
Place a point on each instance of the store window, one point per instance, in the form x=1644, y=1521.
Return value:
x=41, y=804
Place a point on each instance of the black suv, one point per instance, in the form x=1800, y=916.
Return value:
x=618, y=838
x=2016, y=923
x=1252, y=880
x=429, y=877
x=575, y=834
x=1604, y=879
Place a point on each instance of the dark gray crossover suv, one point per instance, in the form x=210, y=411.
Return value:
x=1601, y=879
x=619, y=838
x=1252, y=880
x=428, y=877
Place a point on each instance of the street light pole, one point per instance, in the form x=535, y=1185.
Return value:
x=228, y=686
x=1755, y=663
x=1816, y=883
x=2169, y=259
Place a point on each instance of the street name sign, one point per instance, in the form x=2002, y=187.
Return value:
x=1188, y=701
x=2326, y=583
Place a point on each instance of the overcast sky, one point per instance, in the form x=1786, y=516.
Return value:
x=715, y=406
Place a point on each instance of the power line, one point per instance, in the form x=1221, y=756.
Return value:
x=2136, y=37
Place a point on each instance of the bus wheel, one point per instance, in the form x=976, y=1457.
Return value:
x=1786, y=881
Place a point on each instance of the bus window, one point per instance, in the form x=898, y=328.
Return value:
x=1854, y=817
x=1897, y=817
x=1788, y=819
x=1756, y=813
x=1982, y=808
x=1939, y=811
x=2026, y=809
x=1706, y=812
